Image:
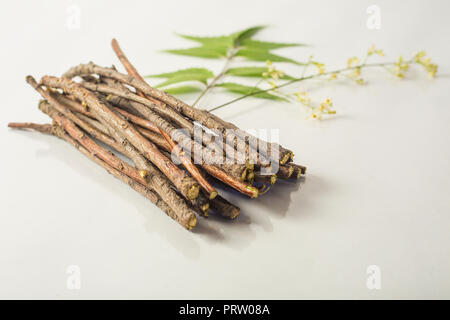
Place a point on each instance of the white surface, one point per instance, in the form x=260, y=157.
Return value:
x=376, y=191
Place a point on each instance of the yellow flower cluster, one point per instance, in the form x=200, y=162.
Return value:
x=272, y=72
x=425, y=61
x=320, y=66
x=373, y=50
x=303, y=99
x=323, y=108
x=317, y=112
x=352, y=61
x=400, y=67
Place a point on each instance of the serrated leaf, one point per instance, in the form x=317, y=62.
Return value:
x=256, y=44
x=245, y=34
x=223, y=41
x=252, y=72
x=264, y=55
x=210, y=52
x=182, y=90
x=244, y=90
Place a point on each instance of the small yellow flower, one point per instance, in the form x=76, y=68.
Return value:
x=419, y=55
x=432, y=69
x=302, y=98
x=352, y=61
x=424, y=61
x=399, y=67
x=326, y=105
x=333, y=76
x=272, y=72
x=316, y=115
x=320, y=67
x=372, y=50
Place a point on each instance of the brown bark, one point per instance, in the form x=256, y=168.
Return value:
x=200, y=203
x=143, y=190
x=155, y=181
x=43, y=128
x=272, y=179
x=186, y=110
x=285, y=172
x=187, y=186
x=224, y=208
x=298, y=170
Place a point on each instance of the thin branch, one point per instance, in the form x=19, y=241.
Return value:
x=361, y=66
x=213, y=82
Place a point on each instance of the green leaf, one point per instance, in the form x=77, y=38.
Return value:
x=245, y=90
x=210, y=52
x=190, y=74
x=221, y=41
x=264, y=55
x=252, y=72
x=245, y=34
x=182, y=90
x=200, y=71
x=256, y=44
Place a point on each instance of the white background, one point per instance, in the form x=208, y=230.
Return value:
x=376, y=193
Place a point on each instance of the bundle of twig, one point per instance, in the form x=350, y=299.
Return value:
x=172, y=167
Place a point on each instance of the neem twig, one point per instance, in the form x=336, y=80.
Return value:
x=59, y=132
x=155, y=181
x=187, y=186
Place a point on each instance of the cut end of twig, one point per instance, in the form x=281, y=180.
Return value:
x=192, y=222
x=193, y=191
x=286, y=157
x=290, y=171
x=205, y=209
x=254, y=191
x=273, y=179
x=213, y=194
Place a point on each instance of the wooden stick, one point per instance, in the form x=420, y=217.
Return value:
x=185, y=215
x=143, y=190
x=187, y=186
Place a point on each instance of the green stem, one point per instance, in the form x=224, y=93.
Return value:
x=213, y=82
x=360, y=66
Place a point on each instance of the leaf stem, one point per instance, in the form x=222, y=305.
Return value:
x=360, y=66
x=213, y=82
